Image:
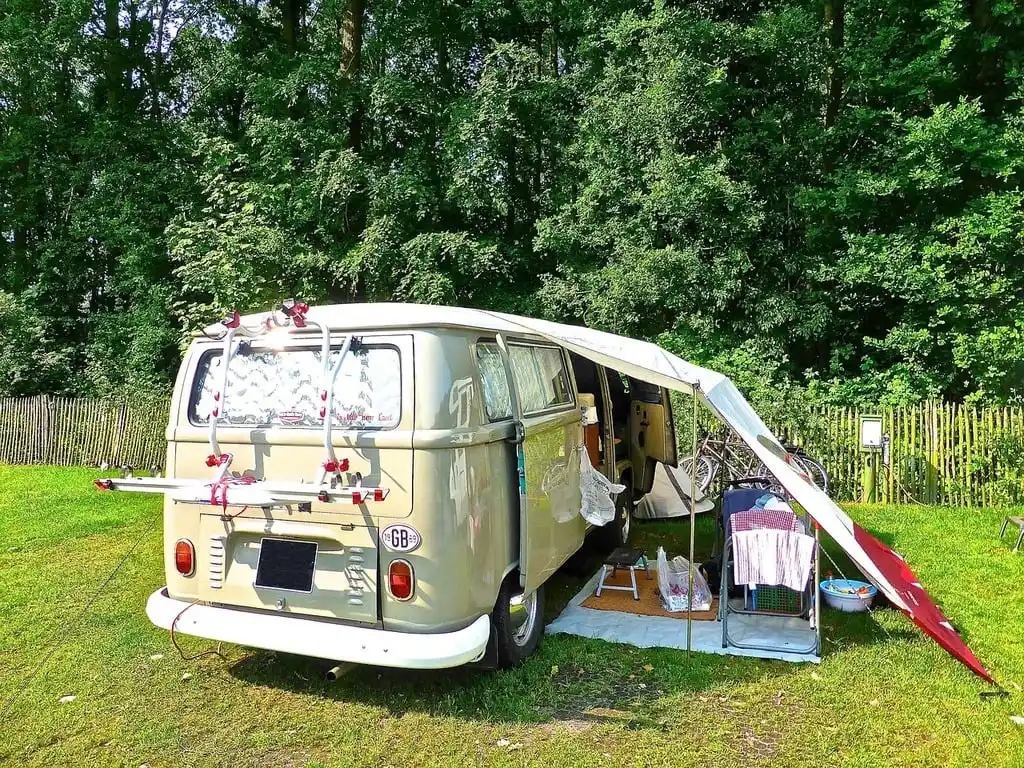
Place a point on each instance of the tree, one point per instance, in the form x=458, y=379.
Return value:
x=825, y=194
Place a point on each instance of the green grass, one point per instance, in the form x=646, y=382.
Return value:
x=884, y=695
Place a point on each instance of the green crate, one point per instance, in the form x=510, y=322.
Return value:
x=778, y=600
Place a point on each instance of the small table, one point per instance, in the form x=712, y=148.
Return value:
x=624, y=557
x=1019, y=522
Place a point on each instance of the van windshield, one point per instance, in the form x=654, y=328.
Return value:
x=281, y=388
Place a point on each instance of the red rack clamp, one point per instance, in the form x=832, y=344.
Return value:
x=295, y=311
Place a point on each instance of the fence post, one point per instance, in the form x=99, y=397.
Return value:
x=931, y=440
x=122, y=417
x=38, y=456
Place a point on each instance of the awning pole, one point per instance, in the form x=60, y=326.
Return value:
x=693, y=517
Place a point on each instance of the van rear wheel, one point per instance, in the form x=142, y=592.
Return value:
x=517, y=622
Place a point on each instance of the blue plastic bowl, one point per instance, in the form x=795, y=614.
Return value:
x=847, y=601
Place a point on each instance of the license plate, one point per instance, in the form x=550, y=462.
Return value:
x=286, y=564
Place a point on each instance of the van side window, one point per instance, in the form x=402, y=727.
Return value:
x=644, y=392
x=497, y=402
x=541, y=378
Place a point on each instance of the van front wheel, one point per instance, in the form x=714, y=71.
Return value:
x=517, y=622
x=616, y=532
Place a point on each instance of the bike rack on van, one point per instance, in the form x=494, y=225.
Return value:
x=246, y=490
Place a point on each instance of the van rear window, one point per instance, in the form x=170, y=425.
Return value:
x=281, y=388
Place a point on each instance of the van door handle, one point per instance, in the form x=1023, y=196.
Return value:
x=520, y=436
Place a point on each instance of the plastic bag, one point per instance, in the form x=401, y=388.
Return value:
x=674, y=584
x=597, y=493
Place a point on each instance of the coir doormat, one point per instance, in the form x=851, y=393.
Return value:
x=649, y=603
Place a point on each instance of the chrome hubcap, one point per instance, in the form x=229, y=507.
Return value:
x=522, y=612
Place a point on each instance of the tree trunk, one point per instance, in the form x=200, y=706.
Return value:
x=987, y=66
x=158, y=62
x=835, y=20
x=350, y=34
x=556, y=12
x=22, y=202
x=512, y=189
x=291, y=24
x=113, y=65
x=538, y=46
x=444, y=75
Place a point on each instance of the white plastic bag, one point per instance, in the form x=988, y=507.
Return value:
x=597, y=493
x=674, y=584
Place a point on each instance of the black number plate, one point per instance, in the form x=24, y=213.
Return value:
x=286, y=564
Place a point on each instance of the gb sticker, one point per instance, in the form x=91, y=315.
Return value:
x=401, y=538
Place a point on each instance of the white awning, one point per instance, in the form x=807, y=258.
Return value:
x=649, y=362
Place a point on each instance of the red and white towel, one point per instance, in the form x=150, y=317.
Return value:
x=771, y=549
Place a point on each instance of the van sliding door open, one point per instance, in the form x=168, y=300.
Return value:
x=549, y=433
x=651, y=430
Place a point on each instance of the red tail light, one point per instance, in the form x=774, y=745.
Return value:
x=184, y=557
x=401, y=580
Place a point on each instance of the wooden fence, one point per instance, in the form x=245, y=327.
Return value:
x=945, y=453
x=70, y=431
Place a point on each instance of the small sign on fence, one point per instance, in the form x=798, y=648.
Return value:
x=870, y=432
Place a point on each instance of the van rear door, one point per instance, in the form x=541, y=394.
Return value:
x=317, y=558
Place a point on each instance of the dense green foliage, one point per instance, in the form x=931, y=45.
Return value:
x=821, y=195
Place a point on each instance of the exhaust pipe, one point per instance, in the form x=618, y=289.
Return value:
x=336, y=673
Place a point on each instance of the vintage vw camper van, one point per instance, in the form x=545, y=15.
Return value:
x=387, y=484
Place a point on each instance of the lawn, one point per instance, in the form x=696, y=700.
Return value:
x=883, y=696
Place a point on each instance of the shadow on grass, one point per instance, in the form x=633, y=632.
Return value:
x=569, y=680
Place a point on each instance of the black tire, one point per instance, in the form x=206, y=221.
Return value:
x=514, y=641
x=802, y=463
x=818, y=472
x=705, y=471
x=616, y=533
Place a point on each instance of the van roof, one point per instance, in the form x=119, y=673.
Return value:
x=640, y=359
x=391, y=315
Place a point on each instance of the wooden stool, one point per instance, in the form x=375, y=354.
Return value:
x=1019, y=522
x=624, y=557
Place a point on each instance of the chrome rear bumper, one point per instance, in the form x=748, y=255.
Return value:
x=289, y=633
